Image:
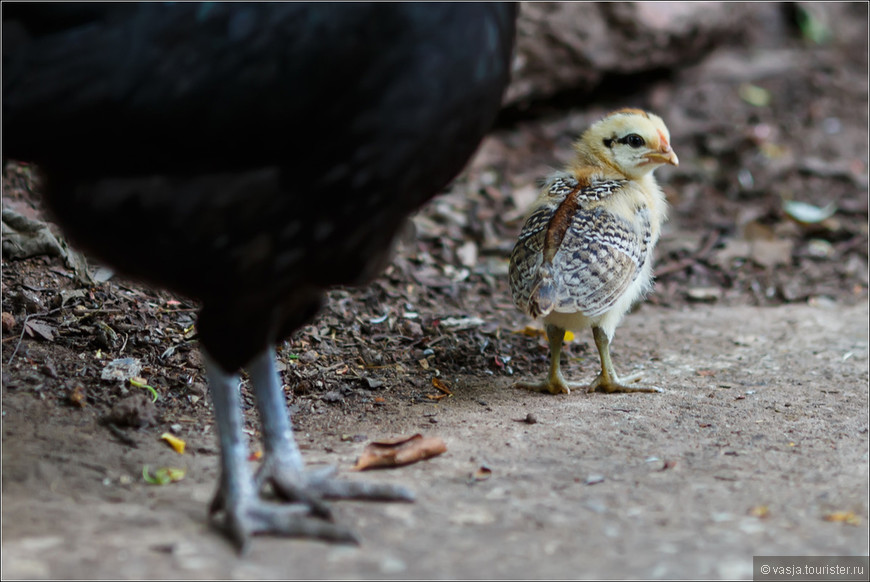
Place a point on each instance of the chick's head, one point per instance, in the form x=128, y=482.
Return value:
x=631, y=141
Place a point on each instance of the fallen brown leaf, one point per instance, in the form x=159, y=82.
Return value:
x=440, y=385
x=39, y=328
x=78, y=396
x=8, y=322
x=400, y=451
x=481, y=474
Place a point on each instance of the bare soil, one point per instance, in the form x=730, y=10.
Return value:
x=757, y=332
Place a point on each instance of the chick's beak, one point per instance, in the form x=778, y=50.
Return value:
x=664, y=155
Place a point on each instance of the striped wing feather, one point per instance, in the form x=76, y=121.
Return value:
x=598, y=257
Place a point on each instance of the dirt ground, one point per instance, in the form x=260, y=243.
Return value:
x=757, y=333
x=760, y=434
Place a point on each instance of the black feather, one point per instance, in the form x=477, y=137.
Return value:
x=248, y=154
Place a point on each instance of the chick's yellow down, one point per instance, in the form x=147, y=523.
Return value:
x=584, y=255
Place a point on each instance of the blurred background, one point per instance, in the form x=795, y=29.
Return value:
x=767, y=107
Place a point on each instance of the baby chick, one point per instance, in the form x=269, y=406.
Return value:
x=584, y=255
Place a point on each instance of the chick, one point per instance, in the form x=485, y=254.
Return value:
x=584, y=255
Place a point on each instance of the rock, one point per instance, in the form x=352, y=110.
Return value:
x=572, y=46
x=136, y=411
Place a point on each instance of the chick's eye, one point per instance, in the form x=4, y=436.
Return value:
x=633, y=140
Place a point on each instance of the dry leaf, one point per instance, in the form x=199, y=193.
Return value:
x=481, y=474
x=754, y=95
x=440, y=385
x=78, y=396
x=8, y=322
x=844, y=517
x=401, y=451
x=760, y=511
x=176, y=443
x=804, y=213
x=38, y=328
x=163, y=475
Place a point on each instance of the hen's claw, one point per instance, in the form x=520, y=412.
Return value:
x=238, y=507
x=314, y=485
x=252, y=516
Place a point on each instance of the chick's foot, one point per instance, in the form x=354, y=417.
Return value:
x=550, y=385
x=611, y=384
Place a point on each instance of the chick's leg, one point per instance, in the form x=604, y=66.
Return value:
x=555, y=383
x=237, y=507
x=283, y=466
x=607, y=380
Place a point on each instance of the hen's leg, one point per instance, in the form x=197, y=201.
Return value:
x=607, y=380
x=283, y=466
x=237, y=499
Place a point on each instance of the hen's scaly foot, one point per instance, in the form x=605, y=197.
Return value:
x=248, y=515
x=610, y=385
x=314, y=485
x=238, y=507
x=244, y=514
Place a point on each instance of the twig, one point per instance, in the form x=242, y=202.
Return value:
x=24, y=329
x=848, y=245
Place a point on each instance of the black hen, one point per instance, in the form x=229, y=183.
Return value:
x=250, y=156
